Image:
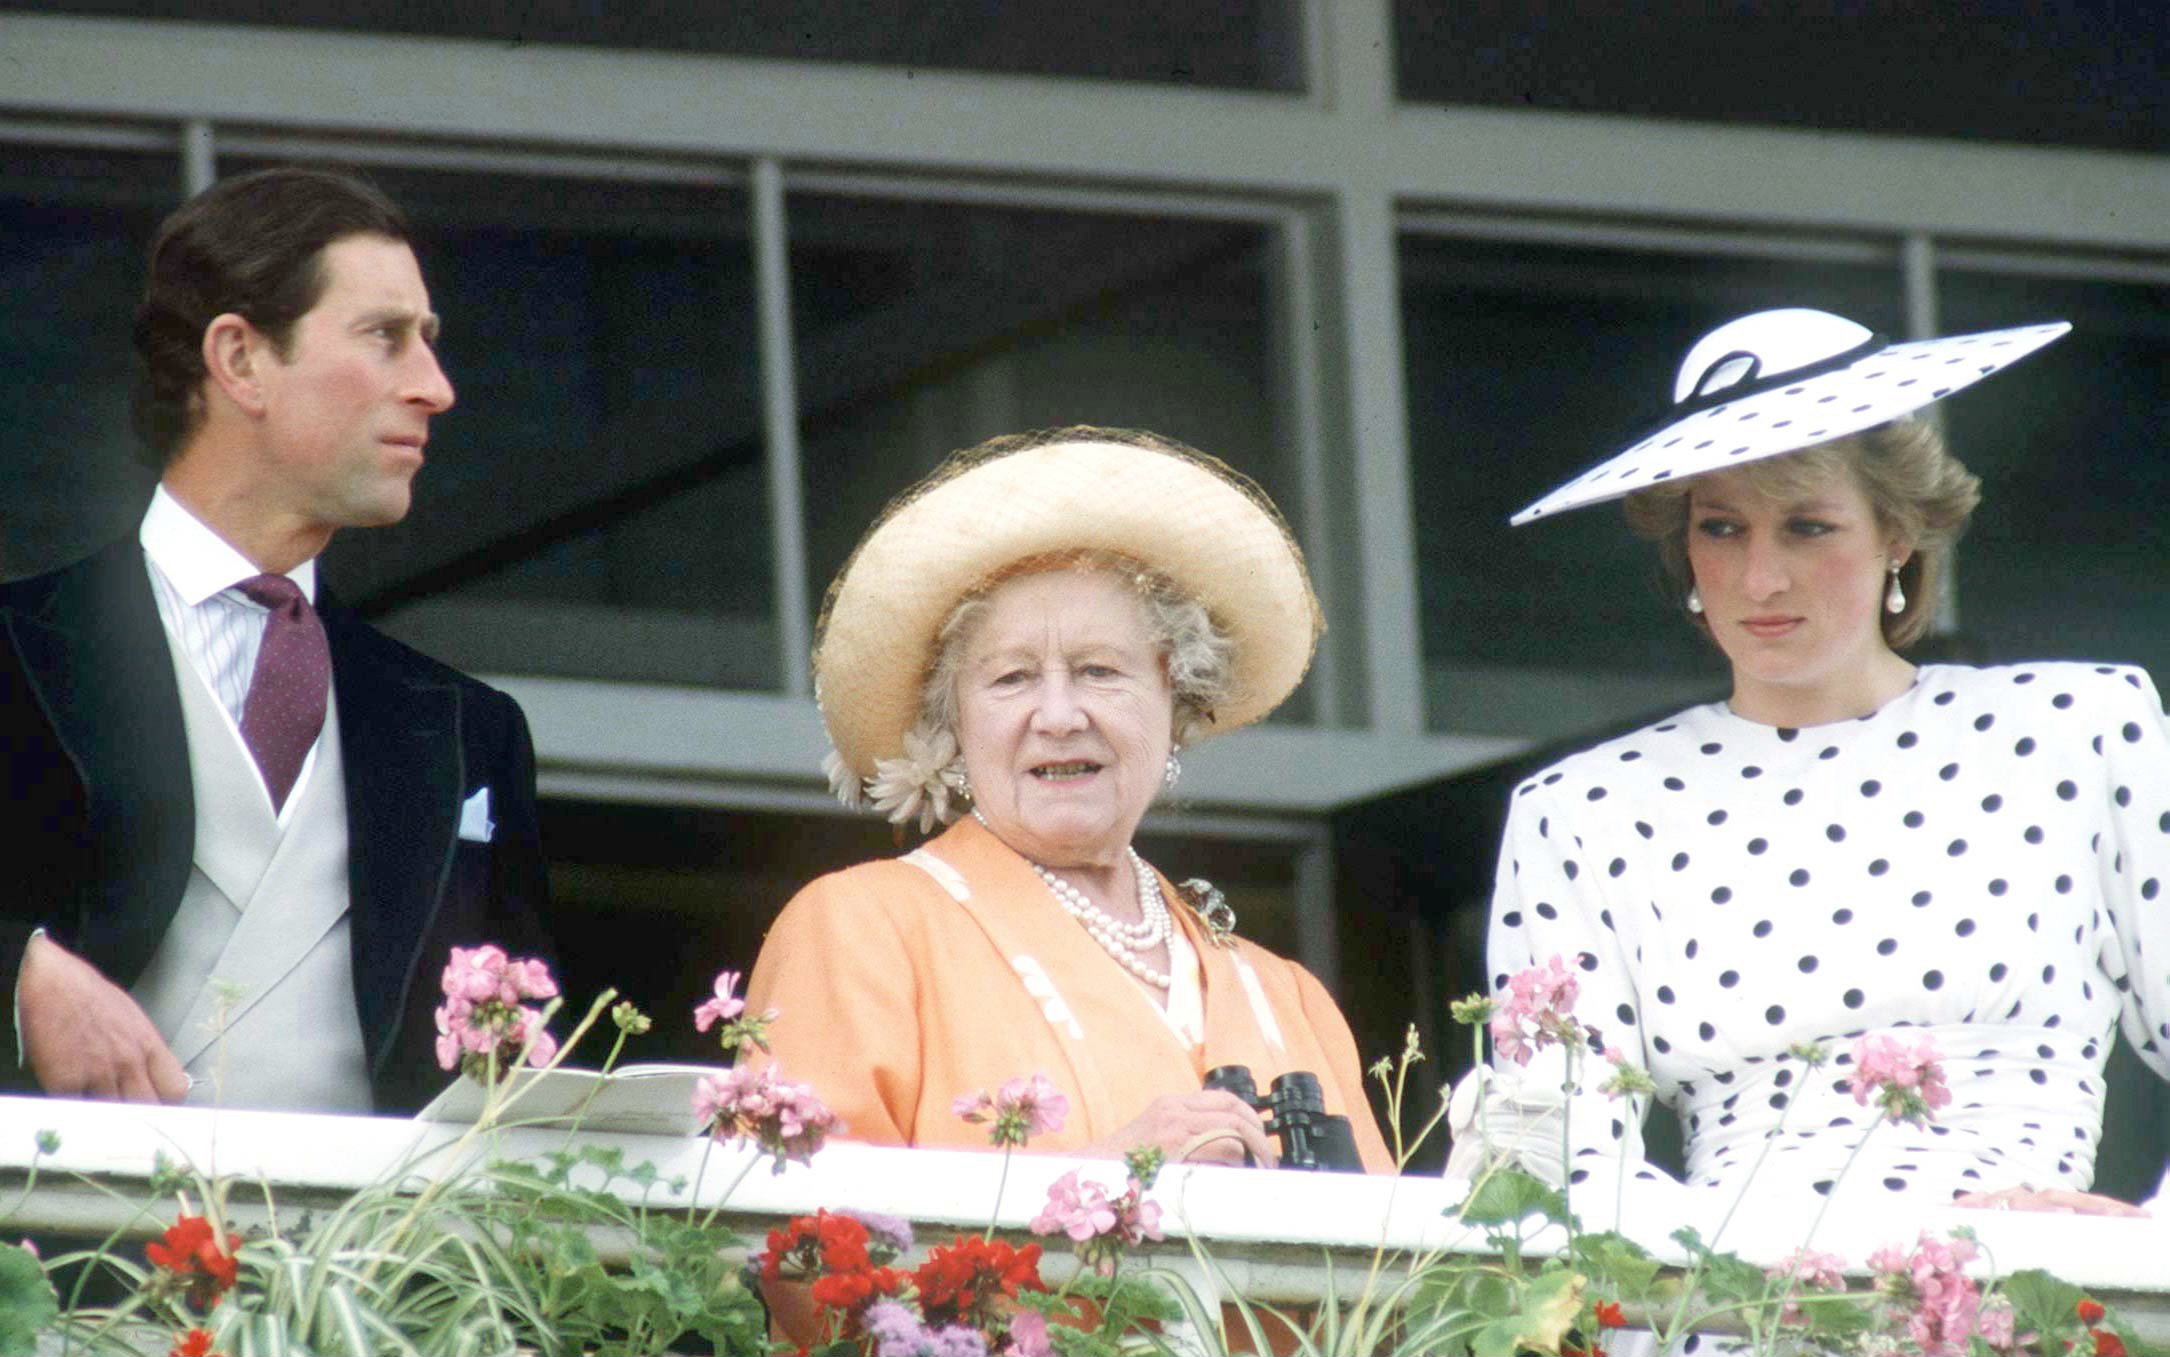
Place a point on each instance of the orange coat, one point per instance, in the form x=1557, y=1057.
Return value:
x=904, y=983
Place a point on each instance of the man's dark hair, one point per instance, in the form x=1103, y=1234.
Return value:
x=252, y=245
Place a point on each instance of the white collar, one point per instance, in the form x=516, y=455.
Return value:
x=195, y=560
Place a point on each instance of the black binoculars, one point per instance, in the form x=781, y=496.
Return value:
x=1311, y=1137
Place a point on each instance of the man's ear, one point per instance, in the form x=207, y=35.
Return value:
x=234, y=355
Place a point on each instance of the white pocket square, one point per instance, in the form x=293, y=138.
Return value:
x=475, y=823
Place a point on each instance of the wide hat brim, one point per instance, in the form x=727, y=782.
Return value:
x=1785, y=415
x=1204, y=525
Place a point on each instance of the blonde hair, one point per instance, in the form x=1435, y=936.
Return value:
x=1921, y=494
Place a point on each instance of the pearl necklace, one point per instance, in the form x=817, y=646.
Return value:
x=1122, y=941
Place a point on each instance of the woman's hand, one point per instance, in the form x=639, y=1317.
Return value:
x=1211, y=1126
x=2058, y=1199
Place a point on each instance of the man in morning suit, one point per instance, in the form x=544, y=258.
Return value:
x=245, y=825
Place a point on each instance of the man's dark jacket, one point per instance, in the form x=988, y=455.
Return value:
x=100, y=821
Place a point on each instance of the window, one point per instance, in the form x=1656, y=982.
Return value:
x=925, y=327
x=2069, y=554
x=2079, y=73
x=1233, y=44
x=1527, y=362
x=76, y=223
x=595, y=505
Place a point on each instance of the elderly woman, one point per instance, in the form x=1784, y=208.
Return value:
x=1852, y=844
x=1033, y=633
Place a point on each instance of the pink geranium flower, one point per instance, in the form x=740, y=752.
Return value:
x=485, y=1015
x=1537, y=1011
x=1019, y=1110
x=1099, y=1226
x=785, y=1120
x=740, y=1028
x=725, y=1006
x=527, y=979
x=1081, y=1210
x=1996, y=1322
x=1809, y=1271
x=1907, y=1084
x=1028, y=1336
x=1942, y=1304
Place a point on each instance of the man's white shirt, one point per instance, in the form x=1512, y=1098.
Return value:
x=193, y=573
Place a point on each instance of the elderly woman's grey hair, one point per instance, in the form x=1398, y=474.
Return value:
x=1198, y=656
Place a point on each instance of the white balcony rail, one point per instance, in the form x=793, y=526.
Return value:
x=1273, y=1236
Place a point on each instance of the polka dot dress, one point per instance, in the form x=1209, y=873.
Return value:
x=1982, y=860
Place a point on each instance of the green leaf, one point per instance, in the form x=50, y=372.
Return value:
x=27, y=1300
x=1726, y=1278
x=1550, y=1306
x=669, y=1285
x=1455, y=1287
x=2042, y=1303
x=1508, y=1196
x=1620, y=1261
x=1128, y=1299
x=1068, y=1342
x=1839, y=1315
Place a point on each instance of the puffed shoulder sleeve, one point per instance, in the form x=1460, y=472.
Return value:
x=2134, y=858
x=837, y=968
x=1546, y=906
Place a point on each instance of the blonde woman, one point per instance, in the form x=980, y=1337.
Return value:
x=1852, y=843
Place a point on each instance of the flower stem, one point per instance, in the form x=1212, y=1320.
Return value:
x=1567, y=1162
x=717, y=1209
x=1770, y=1138
x=1823, y=1210
x=1000, y=1183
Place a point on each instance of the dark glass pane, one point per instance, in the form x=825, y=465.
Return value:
x=655, y=900
x=74, y=226
x=595, y=505
x=2069, y=554
x=1526, y=364
x=1238, y=44
x=926, y=327
x=2077, y=73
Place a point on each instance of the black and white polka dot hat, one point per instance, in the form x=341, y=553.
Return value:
x=1778, y=381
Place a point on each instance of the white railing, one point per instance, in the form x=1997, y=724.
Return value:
x=1273, y=1236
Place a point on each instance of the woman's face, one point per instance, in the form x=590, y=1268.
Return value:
x=1064, y=716
x=1792, y=587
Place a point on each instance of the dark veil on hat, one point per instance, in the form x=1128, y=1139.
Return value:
x=1778, y=381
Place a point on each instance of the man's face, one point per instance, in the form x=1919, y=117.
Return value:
x=347, y=409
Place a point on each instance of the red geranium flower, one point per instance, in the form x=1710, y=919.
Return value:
x=189, y=1252
x=2108, y=1344
x=2090, y=1311
x=814, y=1244
x=854, y=1291
x=1610, y=1315
x=194, y=1343
x=960, y=1283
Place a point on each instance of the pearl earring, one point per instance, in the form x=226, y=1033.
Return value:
x=1695, y=601
x=1174, y=773
x=1894, y=597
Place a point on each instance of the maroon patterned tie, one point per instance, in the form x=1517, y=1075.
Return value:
x=285, y=706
